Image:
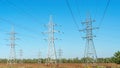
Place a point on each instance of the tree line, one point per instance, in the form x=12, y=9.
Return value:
x=114, y=59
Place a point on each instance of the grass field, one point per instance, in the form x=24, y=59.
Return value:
x=65, y=65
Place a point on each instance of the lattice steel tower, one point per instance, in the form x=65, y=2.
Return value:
x=12, y=58
x=39, y=57
x=21, y=56
x=60, y=55
x=51, y=56
x=90, y=52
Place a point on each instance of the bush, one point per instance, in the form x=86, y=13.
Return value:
x=116, y=57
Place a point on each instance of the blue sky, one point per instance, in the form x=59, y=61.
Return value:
x=30, y=16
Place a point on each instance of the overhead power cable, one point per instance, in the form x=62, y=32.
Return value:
x=95, y=13
x=19, y=26
x=69, y=7
x=78, y=8
x=104, y=13
x=22, y=10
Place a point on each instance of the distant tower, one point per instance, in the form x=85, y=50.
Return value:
x=21, y=56
x=60, y=55
x=39, y=57
x=12, y=58
x=51, y=56
x=90, y=52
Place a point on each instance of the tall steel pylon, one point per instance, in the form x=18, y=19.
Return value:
x=21, y=56
x=12, y=58
x=51, y=56
x=90, y=51
x=39, y=57
x=60, y=55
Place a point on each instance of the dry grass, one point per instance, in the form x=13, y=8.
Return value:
x=66, y=65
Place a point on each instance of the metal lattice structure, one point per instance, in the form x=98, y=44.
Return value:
x=90, y=51
x=39, y=57
x=21, y=56
x=60, y=55
x=12, y=58
x=51, y=56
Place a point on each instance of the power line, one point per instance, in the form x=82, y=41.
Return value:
x=21, y=34
x=7, y=21
x=104, y=13
x=75, y=22
x=19, y=26
x=78, y=8
x=96, y=9
x=22, y=10
x=24, y=28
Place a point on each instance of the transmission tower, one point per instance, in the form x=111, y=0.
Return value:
x=21, y=56
x=90, y=51
x=51, y=56
x=12, y=58
x=60, y=55
x=39, y=57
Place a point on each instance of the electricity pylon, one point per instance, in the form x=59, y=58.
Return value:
x=12, y=58
x=39, y=57
x=21, y=56
x=51, y=56
x=60, y=55
x=90, y=51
